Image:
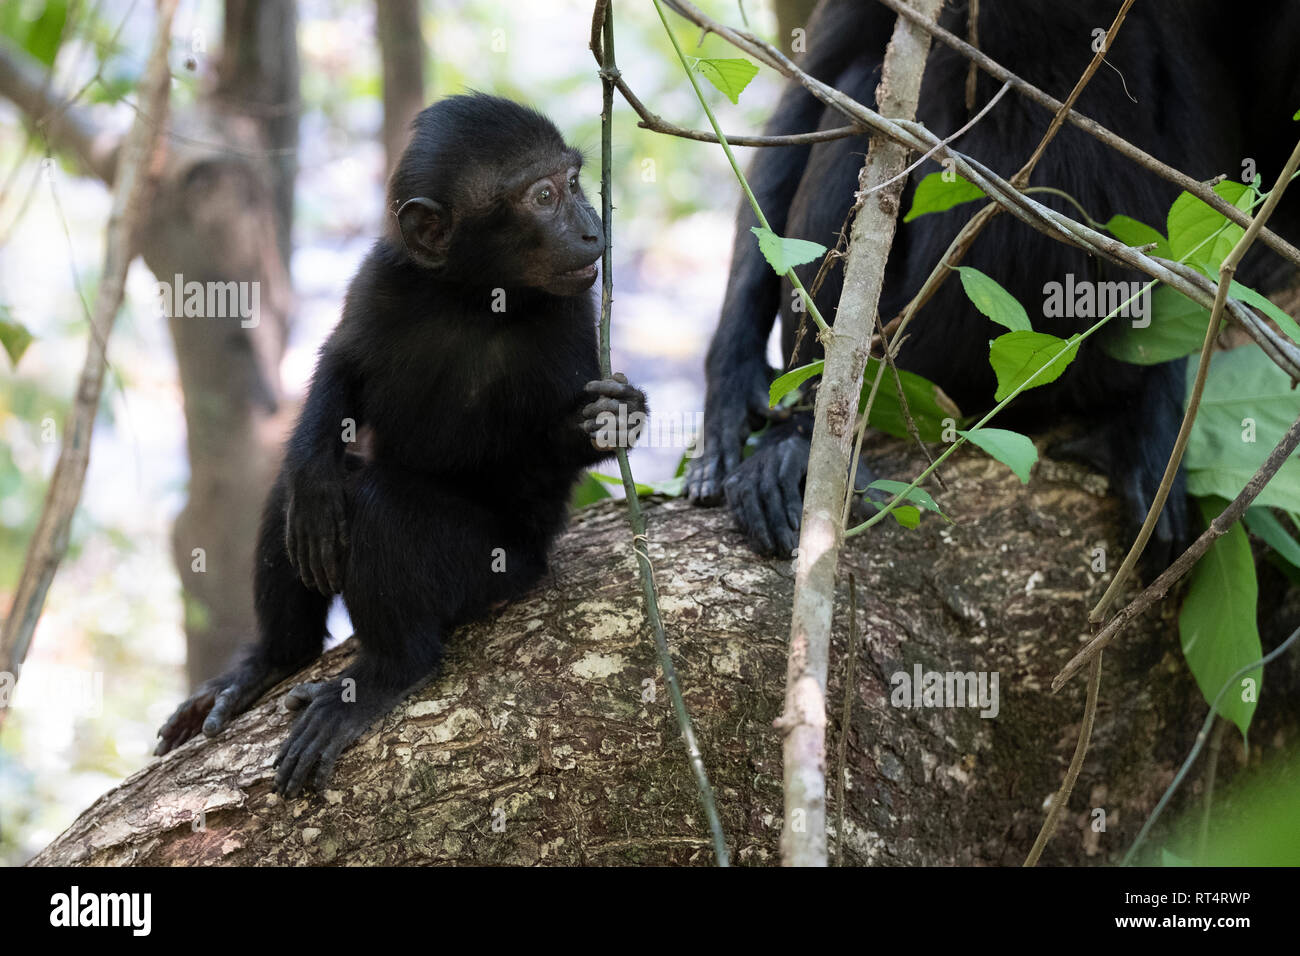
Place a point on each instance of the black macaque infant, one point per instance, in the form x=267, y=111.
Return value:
x=466, y=359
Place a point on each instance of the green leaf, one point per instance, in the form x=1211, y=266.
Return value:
x=673, y=487
x=1011, y=448
x=1263, y=828
x=46, y=32
x=641, y=490
x=1191, y=223
x=1251, y=297
x=1274, y=534
x=929, y=406
x=993, y=300
x=1016, y=356
x=730, y=75
x=933, y=194
x=1246, y=397
x=791, y=380
x=1133, y=233
x=917, y=496
x=784, y=254
x=907, y=516
x=14, y=336
x=587, y=491
x=1177, y=328
x=1216, y=625
x=1297, y=116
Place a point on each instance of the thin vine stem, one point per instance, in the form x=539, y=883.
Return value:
x=635, y=516
x=735, y=167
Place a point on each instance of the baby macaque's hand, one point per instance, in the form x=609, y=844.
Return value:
x=617, y=416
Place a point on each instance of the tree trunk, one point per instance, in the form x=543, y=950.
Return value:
x=401, y=47
x=225, y=214
x=549, y=738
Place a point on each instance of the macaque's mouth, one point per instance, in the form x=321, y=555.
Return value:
x=587, y=272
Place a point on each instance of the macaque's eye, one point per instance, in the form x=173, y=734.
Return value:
x=573, y=183
x=545, y=196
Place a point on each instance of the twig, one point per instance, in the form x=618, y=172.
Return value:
x=973, y=35
x=790, y=275
x=1211, y=771
x=603, y=23
x=1062, y=796
x=49, y=542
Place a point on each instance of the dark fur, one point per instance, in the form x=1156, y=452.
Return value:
x=475, y=423
x=1205, y=102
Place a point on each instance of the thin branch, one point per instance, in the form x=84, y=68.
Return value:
x=1062, y=796
x=602, y=39
x=49, y=542
x=1211, y=772
x=803, y=719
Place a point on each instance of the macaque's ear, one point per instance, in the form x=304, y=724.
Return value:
x=425, y=227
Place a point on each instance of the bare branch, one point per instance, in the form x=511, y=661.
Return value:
x=50, y=540
x=803, y=721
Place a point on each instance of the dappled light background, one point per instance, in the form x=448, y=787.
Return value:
x=115, y=609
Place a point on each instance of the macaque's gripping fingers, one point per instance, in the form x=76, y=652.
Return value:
x=329, y=756
x=185, y=722
x=303, y=542
x=742, y=498
x=592, y=412
x=341, y=527
x=620, y=390
x=620, y=377
x=794, y=464
x=774, y=495
x=706, y=474
x=770, y=501
x=300, y=751
x=701, y=486
x=329, y=564
x=303, y=694
x=324, y=731
x=232, y=701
